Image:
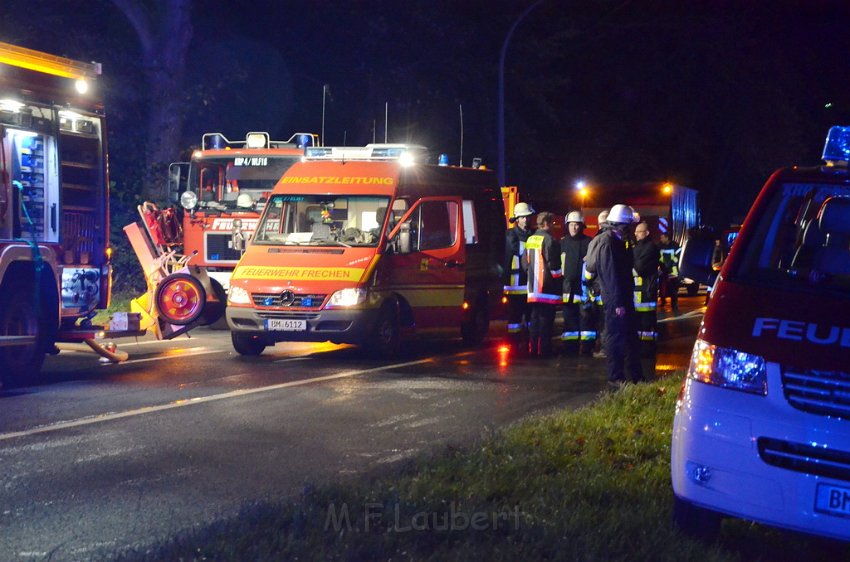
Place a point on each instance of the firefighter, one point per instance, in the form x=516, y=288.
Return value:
x=646, y=259
x=593, y=294
x=543, y=260
x=612, y=263
x=579, y=334
x=669, y=272
x=516, y=287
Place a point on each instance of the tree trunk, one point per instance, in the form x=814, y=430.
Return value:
x=164, y=29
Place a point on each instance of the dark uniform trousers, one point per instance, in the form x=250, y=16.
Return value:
x=621, y=345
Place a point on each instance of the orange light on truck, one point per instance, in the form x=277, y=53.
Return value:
x=667, y=188
x=465, y=305
x=108, y=252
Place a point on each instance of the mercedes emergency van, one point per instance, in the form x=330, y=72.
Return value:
x=762, y=424
x=364, y=245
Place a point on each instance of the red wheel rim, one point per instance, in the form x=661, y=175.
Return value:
x=180, y=300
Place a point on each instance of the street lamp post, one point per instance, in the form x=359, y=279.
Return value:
x=501, y=109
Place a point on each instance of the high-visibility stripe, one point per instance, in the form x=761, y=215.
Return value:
x=574, y=299
x=556, y=273
x=515, y=289
x=514, y=328
x=570, y=336
x=544, y=298
x=647, y=336
x=588, y=335
x=646, y=306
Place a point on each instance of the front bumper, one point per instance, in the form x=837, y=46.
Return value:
x=734, y=453
x=339, y=325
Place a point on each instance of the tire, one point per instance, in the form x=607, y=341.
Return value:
x=474, y=329
x=218, y=322
x=696, y=522
x=692, y=290
x=246, y=344
x=19, y=317
x=180, y=299
x=385, y=340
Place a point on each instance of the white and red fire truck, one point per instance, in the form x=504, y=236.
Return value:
x=54, y=207
x=223, y=191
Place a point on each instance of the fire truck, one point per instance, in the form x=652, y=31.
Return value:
x=223, y=190
x=54, y=207
x=666, y=207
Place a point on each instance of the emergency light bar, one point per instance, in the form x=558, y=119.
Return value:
x=405, y=153
x=836, y=151
x=258, y=140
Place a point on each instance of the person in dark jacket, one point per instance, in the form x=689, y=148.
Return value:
x=646, y=256
x=516, y=282
x=669, y=271
x=612, y=263
x=543, y=261
x=579, y=334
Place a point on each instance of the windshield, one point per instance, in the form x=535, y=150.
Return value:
x=803, y=241
x=322, y=220
x=223, y=179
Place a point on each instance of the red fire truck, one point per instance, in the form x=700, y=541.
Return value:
x=223, y=191
x=54, y=207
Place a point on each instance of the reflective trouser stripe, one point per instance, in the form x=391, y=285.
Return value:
x=576, y=298
x=515, y=289
x=647, y=336
x=588, y=335
x=544, y=298
x=646, y=306
x=569, y=336
x=514, y=328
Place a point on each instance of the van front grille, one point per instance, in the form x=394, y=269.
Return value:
x=288, y=299
x=819, y=461
x=826, y=393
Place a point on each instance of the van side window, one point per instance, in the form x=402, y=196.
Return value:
x=435, y=223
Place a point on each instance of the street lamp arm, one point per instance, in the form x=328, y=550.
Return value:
x=501, y=97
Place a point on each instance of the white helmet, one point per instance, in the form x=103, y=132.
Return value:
x=574, y=216
x=621, y=214
x=244, y=201
x=523, y=210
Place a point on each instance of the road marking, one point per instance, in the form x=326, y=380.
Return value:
x=200, y=400
x=684, y=316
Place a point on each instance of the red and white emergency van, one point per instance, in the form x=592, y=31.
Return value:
x=358, y=245
x=762, y=425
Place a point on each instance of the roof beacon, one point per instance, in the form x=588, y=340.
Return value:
x=836, y=151
x=406, y=154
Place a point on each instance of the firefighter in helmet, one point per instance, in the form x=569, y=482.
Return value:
x=516, y=285
x=579, y=334
x=545, y=280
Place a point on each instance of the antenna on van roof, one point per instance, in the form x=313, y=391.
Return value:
x=386, y=120
x=460, y=107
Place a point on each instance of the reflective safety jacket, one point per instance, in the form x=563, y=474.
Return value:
x=573, y=250
x=646, y=256
x=543, y=259
x=670, y=259
x=517, y=280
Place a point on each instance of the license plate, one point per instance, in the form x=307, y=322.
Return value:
x=834, y=500
x=274, y=324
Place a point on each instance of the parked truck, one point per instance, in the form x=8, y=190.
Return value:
x=54, y=207
x=666, y=207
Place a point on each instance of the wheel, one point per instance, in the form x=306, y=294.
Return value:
x=385, y=341
x=180, y=299
x=246, y=344
x=696, y=522
x=692, y=289
x=19, y=317
x=476, y=324
x=214, y=312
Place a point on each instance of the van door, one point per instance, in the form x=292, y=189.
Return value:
x=431, y=275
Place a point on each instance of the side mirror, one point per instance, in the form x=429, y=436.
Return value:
x=696, y=259
x=177, y=180
x=404, y=238
x=237, y=237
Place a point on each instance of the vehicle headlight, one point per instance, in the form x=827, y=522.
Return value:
x=238, y=295
x=188, y=200
x=729, y=368
x=347, y=297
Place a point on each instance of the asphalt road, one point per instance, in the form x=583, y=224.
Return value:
x=103, y=457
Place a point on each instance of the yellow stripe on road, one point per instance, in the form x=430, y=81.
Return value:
x=200, y=400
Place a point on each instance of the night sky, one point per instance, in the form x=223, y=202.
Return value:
x=713, y=95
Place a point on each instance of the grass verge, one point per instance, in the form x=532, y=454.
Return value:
x=589, y=484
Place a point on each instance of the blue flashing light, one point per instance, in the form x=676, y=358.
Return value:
x=305, y=141
x=307, y=301
x=444, y=160
x=268, y=301
x=837, y=147
x=215, y=257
